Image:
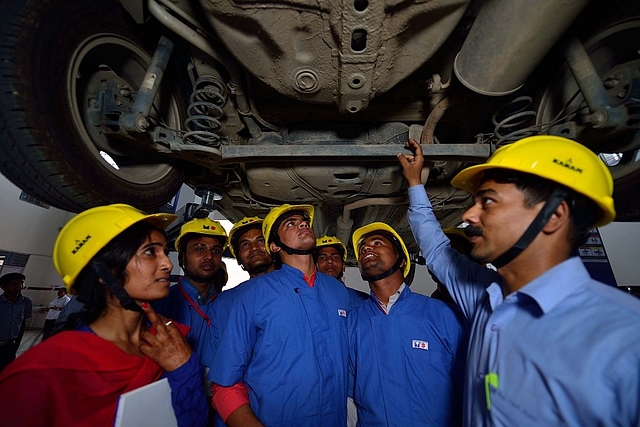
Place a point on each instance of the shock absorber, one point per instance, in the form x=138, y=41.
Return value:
x=205, y=110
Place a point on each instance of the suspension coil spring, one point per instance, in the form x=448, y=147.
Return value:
x=205, y=111
x=514, y=121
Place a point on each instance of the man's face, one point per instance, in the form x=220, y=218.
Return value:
x=13, y=288
x=202, y=259
x=61, y=293
x=498, y=218
x=330, y=262
x=377, y=254
x=295, y=232
x=251, y=252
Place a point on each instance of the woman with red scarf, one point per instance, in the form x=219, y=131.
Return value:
x=115, y=259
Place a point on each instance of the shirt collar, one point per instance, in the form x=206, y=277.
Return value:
x=201, y=298
x=557, y=283
x=392, y=299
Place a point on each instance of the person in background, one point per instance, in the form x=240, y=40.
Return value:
x=549, y=345
x=15, y=309
x=282, y=358
x=73, y=306
x=247, y=246
x=115, y=258
x=53, y=311
x=330, y=257
x=407, y=351
x=200, y=245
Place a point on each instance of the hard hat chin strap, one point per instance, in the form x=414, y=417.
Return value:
x=554, y=200
x=115, y=287
x=387, y=273
x=292, y=251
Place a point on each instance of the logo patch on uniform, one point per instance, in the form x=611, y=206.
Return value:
x=422, y=345
x=342, y=313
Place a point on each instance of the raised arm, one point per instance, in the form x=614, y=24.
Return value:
x=464, y=279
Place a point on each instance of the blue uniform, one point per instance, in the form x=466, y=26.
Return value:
x=185, y=305
x=357, y=297
x=407, y=367
x=562, y=350
x=287, y=342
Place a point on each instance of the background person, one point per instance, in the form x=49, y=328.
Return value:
x=115, y=258
x=15, y=309
x=200, y=245
x=330, y=257
x=247, y=245
x=407, y=351
x=53, y=311
x=286, y=337
x=541, y=325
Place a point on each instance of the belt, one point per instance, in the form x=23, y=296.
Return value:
x=5, y=342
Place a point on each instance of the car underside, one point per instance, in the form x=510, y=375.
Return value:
x=256, y=104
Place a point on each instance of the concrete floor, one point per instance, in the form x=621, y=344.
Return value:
x=29, y=339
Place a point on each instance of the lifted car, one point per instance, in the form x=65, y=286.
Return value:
x=255, y=104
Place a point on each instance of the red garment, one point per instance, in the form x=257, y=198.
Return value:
x=71, y=379
x=227, y=399
x=311, y=280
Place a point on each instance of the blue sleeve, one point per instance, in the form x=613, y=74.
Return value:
x=464, y=279
x=28, y=311
x=357, y=297
x=187, y=394
x=235, y=342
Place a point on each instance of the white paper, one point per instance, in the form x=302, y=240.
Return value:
x=147, y=406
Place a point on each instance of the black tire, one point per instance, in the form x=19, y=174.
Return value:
x=610, y=43
x=49, y=50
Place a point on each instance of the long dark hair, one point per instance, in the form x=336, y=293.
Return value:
x=115, y=255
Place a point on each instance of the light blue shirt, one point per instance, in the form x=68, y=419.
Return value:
x=12, y=315
x=561, y=351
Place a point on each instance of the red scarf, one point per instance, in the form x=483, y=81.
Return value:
x=71, y=379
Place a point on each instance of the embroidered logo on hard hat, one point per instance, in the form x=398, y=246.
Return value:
x=422, y=345
x=342, y=313
x=80, y=243
x=567, y=164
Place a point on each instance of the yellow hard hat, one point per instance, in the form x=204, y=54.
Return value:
x=204, y=226
x=554, y=158
x=90, y=231
x=331, y=241
x=244, y=223
x=277, y=212
x=356, y=239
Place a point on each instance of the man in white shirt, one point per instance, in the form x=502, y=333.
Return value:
x=55, y=307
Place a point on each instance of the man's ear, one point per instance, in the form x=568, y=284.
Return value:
x=559, y=218
x=274, y=248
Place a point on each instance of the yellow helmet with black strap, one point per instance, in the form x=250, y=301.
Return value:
x=90, y=231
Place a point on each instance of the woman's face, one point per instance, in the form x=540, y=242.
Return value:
x=149, y=269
